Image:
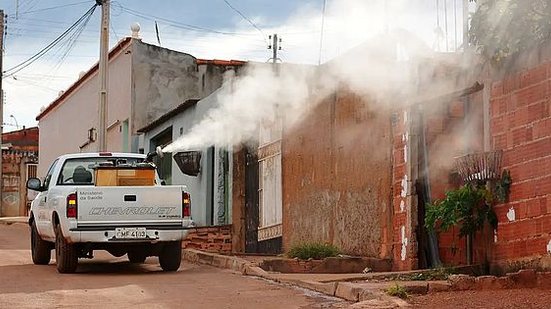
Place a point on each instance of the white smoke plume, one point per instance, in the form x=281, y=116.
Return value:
x=261, y=95
x=258, y=95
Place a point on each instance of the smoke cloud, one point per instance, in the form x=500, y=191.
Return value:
x=383, y=68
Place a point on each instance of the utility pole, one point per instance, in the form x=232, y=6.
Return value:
x=275, y=47
x=465, y=24
x=103, y=74
x=2, y=17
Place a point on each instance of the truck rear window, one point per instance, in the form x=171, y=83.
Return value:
x=80, y=171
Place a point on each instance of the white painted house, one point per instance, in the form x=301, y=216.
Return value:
x=145, y=81
x=210, y=188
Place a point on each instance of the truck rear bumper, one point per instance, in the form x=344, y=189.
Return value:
x=107, y=234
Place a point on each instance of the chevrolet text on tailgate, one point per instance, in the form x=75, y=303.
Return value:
x=107, y=201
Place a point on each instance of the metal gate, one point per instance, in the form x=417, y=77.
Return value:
x=252, y=215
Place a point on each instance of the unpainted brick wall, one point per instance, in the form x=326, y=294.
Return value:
x=461, y=133
x=211, y=239
x=400, y=213
x=521, y=126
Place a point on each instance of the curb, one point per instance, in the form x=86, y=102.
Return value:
x=345, y=290
x=10, y=221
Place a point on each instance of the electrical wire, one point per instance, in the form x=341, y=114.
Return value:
x=178, y=24
x=13, y=70
x=54, y=7
x=246, y=18
x=71, y=42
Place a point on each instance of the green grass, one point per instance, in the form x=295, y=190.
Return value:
x=397, y=291
x=314, y=251
x=439, y=273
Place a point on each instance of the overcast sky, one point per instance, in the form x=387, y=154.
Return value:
x=347, y=24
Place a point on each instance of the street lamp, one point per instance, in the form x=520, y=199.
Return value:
x=16, y=124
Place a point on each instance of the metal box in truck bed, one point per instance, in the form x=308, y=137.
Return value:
x=114, y=176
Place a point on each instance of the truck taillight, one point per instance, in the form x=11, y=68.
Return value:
x=72, y=205
x=186, y=204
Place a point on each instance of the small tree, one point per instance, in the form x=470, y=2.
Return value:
x=503, y=28
x=470, y=207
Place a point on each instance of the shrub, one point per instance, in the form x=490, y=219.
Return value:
x=314, y=251
x=397, y=291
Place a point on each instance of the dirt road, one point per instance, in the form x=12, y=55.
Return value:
x=108, y=282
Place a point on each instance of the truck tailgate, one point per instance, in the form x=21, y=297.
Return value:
x=148, y=205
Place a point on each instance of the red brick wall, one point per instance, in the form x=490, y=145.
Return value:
x=401, y=204
x=521, y=127
x=212, y=239
x=460, y=133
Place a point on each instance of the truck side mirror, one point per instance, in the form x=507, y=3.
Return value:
x=34, y=184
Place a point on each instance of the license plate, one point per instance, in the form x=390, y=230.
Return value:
x=130, y=232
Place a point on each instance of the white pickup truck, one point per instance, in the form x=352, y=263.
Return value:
x=75, y=216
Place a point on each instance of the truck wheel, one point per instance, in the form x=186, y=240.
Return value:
x=40, y=250
x=136, y=257
x=171, y=256
x=65, y=253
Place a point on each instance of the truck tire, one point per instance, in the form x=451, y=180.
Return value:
x=171, y=256
x=41, y=250
x=136, y=257
x=65, y=253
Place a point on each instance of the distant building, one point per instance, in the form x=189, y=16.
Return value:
x=20, y=158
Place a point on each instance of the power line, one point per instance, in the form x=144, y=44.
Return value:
x=246, y=18
x=72, y=41
x=55, y=7
x=178, y=24
x=13, y=70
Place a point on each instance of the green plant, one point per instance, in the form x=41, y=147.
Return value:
x=397, y=291
x=502, y=187
x=469, y=206
x=315, y=251
x=439, y=273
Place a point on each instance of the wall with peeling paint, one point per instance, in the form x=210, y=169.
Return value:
x=336, y=167
x=14, y=192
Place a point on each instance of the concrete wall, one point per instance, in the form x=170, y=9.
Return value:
x=198, y=186
x=161, y=80
x=65, y=128
x=14, y=191
x=336, y=170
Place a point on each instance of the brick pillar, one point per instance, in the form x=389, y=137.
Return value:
x=405, y=174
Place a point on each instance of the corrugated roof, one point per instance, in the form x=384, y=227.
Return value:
x=168, y=115
x=122, y=44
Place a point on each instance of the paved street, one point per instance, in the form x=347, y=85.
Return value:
x=113, y=282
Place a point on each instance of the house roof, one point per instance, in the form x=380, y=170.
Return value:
x=24, y=139
x=122, y=44
x=180, y=108
x=221, y=62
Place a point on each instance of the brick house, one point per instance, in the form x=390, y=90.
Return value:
x=460, y=107
x=504, y=111
x=19, y=162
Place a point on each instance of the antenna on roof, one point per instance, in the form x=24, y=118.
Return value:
x=157, y=33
